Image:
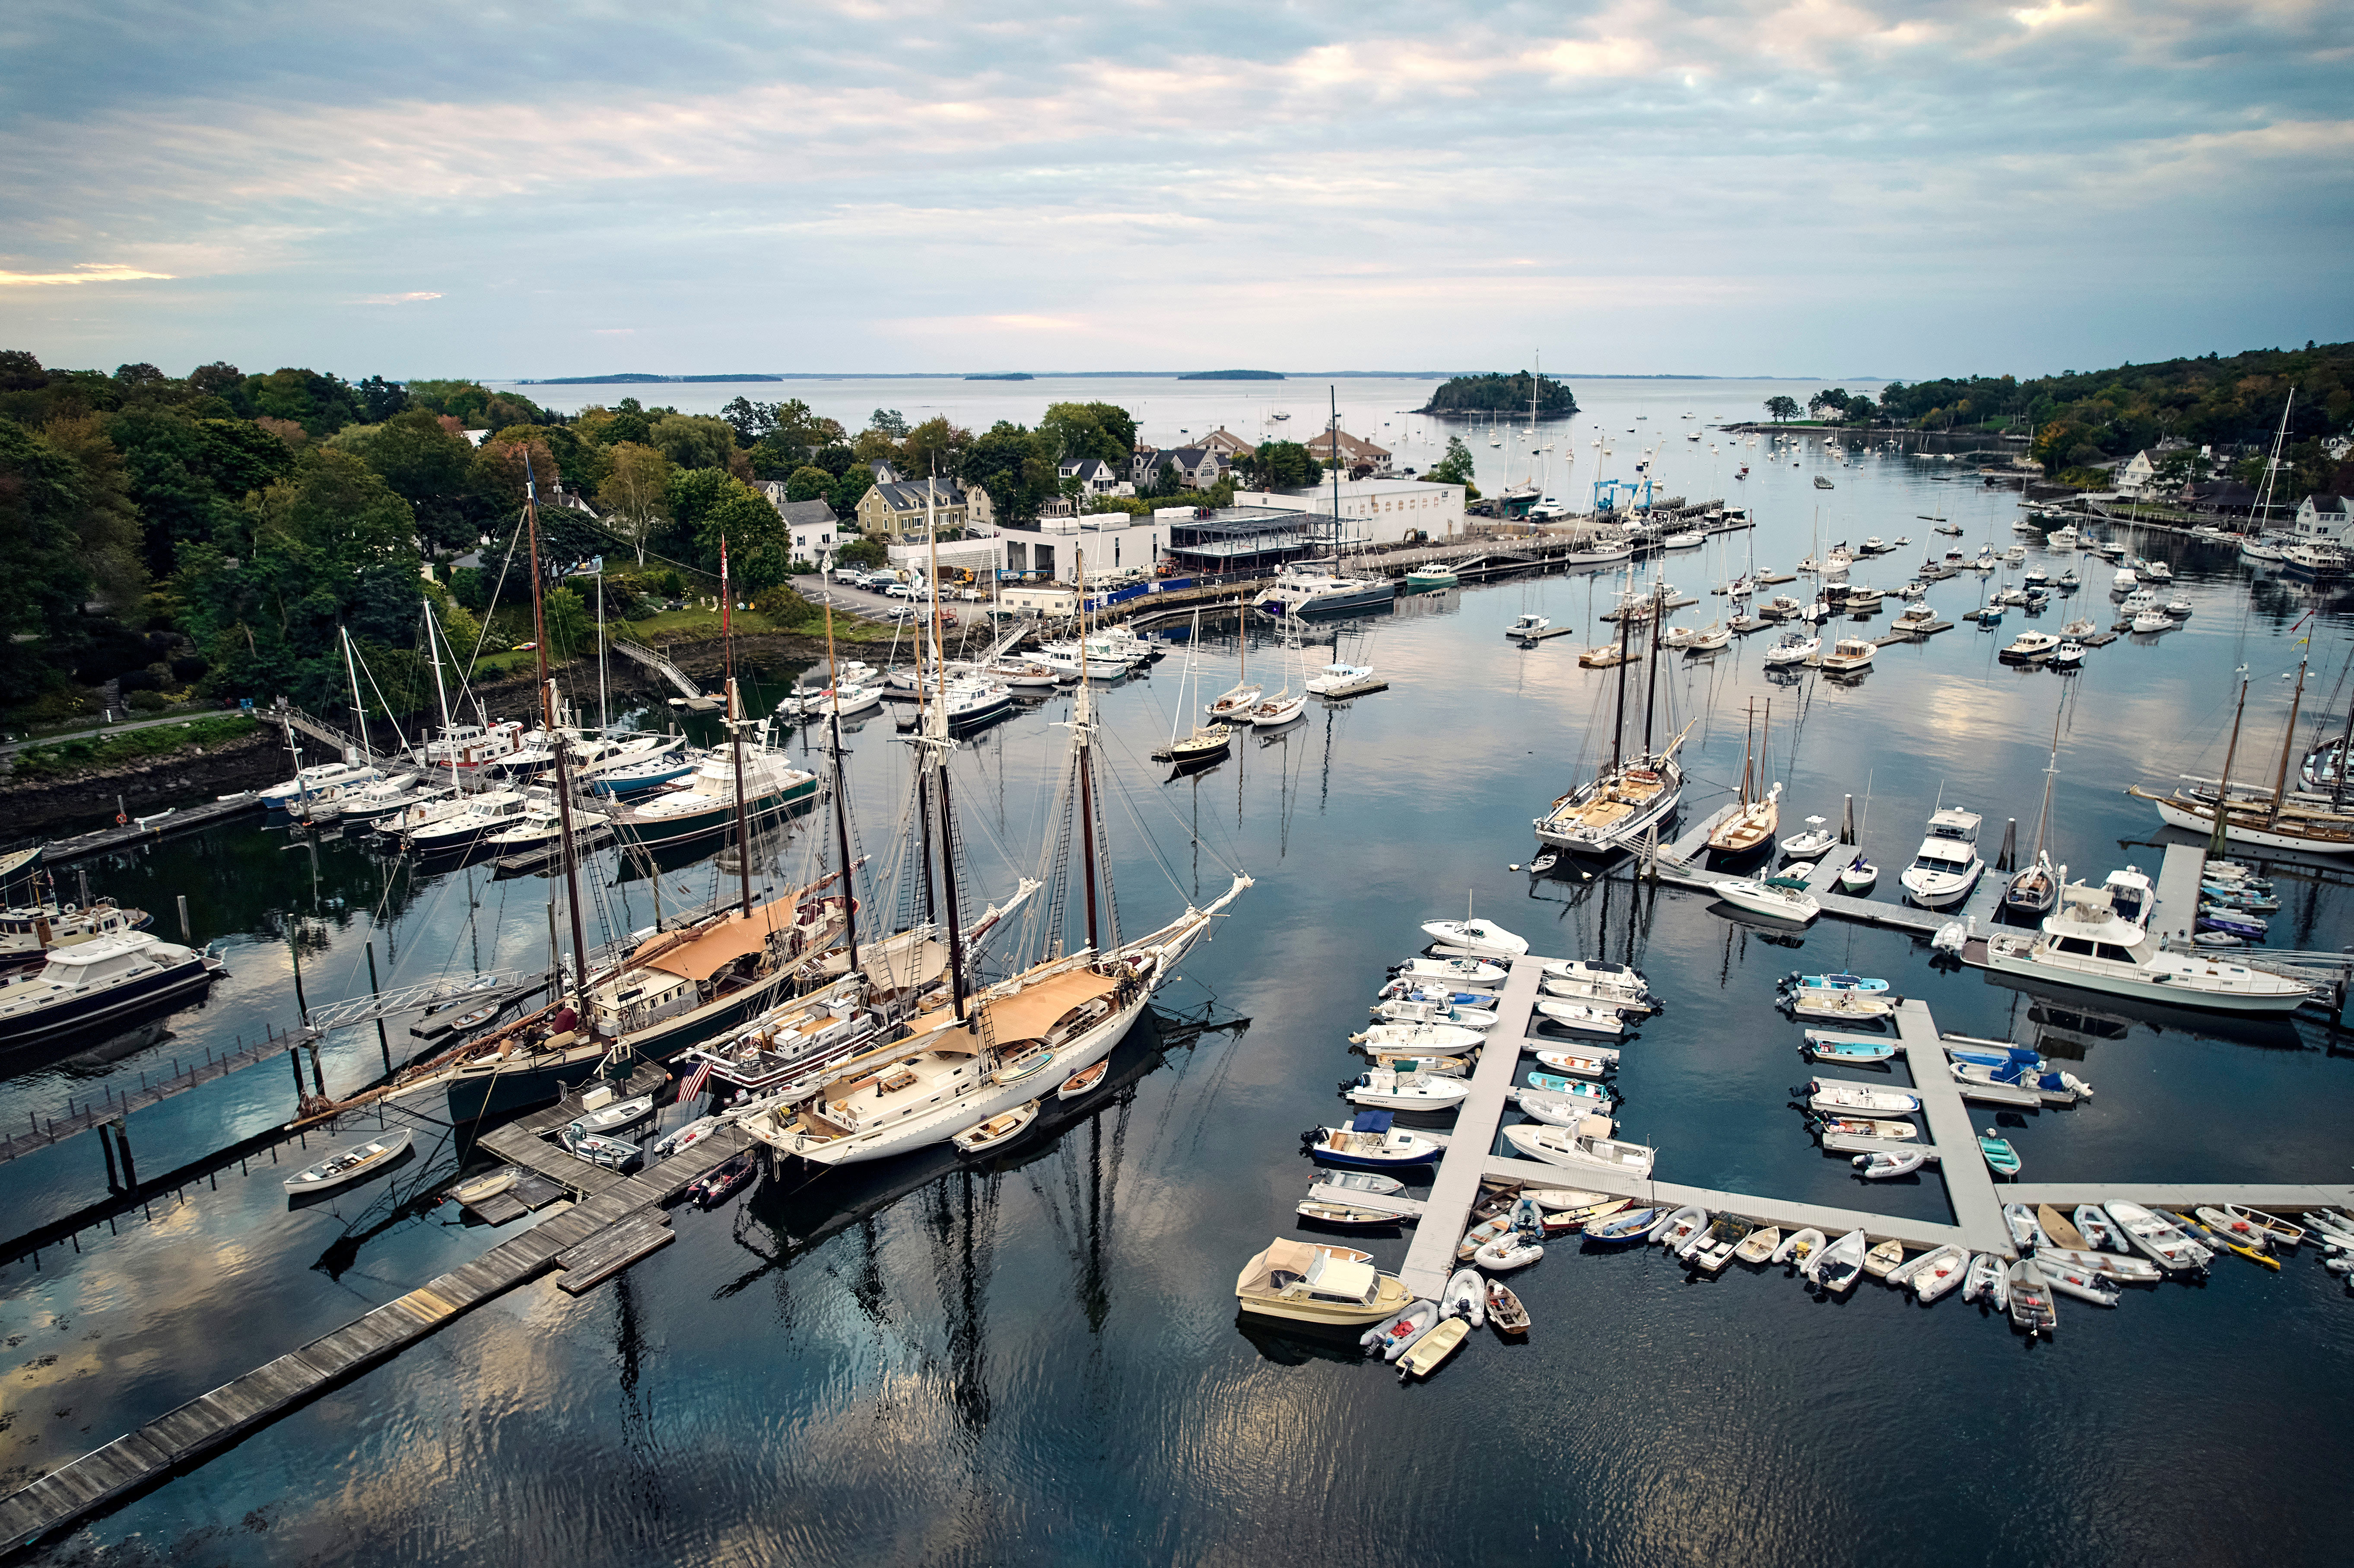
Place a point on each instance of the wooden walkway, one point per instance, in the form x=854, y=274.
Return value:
x=597, y=1238
x=151, y=830
x=1431, y=1258
x=1970, y=1185
x=114, y=1105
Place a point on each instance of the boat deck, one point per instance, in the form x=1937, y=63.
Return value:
x=591, y=1241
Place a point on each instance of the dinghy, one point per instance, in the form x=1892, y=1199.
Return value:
x=1343, y=1215
x=1883, y=1165
x=1575, y=1065
x=1550, y=1198
x=1837, y=1267
x=1449, y=1066
x=1583, y=1017
x=1759, y=1245
x=1508, y=1251
x=1566, y=1108
x=487, y=1186
x=613, y=1117
x=2215, y=1241
x=612, y=1153
x=1389, y=1337
x=1723, y=1239
x=2000, y=1157
x=2057, y=1231
x=1466, y=1296
x=715, y=1187
x=2020, y=1219
x=1479, y=1236
x=1935, y=1273
x=2133, y=1270
x=1081, y=1082
x=1361, y=1181
x=1828, y=1127
x=1432, y=1348
x=1986, y=1281
x=2282, y=1232
x=1837, y=1048
x=984, y=1136
x=1884, y=1259
x=1800, y=1247
x=2083, y=1284
x=2099, y=1234
x=2163, y=1243
x=1630, y=1225
x=1858, y=875
x=1505, y=1313
x=2232, y=1228
x=2028, y=1302
x=1681, y=1226
x=356, y=1163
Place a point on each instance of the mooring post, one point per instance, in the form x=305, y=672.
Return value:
x=123, y=1141
x=318, y=1080
x=2010, y=845
x=381, y=1043
x=184, y=917
x=1847, y=822
x=294, y=1057
x=106, y=1147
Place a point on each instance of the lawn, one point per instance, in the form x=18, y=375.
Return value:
x=132, y=745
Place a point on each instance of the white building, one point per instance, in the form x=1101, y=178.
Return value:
x=2325, y=516
x=1115, y=543
x=1374, y=511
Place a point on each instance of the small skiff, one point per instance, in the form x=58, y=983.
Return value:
x=1505, y=1313
x=2163, y=1243
x=1838, y=1266
x=345, y=1166
x=1325, y=1213
x=1759, y=1245
x=1628, y=1225
x=1884, y=1259
x=2085, y=1285
x=2030, y=1303
x=1554, y=1198
x=1885, y=1165
x=1362, y=1181
x=486, y=1186
x=1563, y=1221
x=613, y=1153
x=1830, y=1096
x=1390, y=1090
x=1479, y=1236
x=2132, y=1270
x=2283, y=1234
x=610, y=1118
x=1431, y=1349
x=2232, y=1228
x=715, y=1187
x=984, y=1136
x=1583, y=1018
x=1084, y=1081
x=2000, y=1157
x=1577, y=1065
x=1566, y=1108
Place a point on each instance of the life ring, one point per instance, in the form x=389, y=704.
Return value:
x=120, y=820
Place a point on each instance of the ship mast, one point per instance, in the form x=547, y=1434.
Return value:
x=840, y=792
x=441, y=694
x=937, y=745
x=555, y=739
x=1081, y=728
x=2218, y=841
x=735, y=734
x=2288, y=745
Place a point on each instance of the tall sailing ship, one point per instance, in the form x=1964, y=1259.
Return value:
x=2273, y=818
x=1634, y=794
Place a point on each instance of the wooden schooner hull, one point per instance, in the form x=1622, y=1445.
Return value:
x=2248, y=826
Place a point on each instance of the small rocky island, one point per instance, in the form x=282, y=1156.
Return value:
x=1500, y=394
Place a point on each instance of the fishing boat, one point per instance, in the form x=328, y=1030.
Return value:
x=1338, y=680
x=1837, y=1048
x=1762, y=897
x=1297, y=1280
x=1946, y=867
x=1574, y=1063
x=1392, y=1090
x=1564, y=1107
x=1834, y=1097
x=354, y=1163
x=1474, y=939
x=1564, y=1146
x=1418, y=1039
x=1370, y=1142
x=2087, y=944
x=1837, y=1267
x=1528, y=626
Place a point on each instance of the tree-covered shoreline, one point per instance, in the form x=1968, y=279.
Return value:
x=1500, y=394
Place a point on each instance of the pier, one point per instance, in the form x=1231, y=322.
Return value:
x=588, y=1243
x=147, y=830
x=1975, y=1199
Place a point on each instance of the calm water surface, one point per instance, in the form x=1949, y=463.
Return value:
x=1040, y=1360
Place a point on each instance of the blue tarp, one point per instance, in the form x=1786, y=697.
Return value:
x=1373, y=1121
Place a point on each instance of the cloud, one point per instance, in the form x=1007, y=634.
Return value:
x=84, y=272
x=409, y=299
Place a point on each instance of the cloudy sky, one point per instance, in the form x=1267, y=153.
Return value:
x=1722, y=187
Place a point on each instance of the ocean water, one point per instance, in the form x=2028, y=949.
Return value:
x=1037, y=1357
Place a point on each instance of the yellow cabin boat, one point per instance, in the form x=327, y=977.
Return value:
x=1305, y=1283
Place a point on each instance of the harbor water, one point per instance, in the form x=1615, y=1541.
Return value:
x=1037, y=1357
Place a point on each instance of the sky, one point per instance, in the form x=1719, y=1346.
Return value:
x=1834, y=187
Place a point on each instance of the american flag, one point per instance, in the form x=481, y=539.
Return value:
x=695, y=1080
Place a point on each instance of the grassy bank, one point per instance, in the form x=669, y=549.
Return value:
x=132, y=745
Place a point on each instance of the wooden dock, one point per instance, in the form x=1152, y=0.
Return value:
x=591, y=1242
x=113, y=1105
x=1684, y=863
x=1527, y=637
x=147, y=830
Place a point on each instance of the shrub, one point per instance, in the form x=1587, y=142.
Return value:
x=147, y=702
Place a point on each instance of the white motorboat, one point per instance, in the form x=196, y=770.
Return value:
x=1386, y=1089
x=2069, y=654
x=1794, y=648
x=2108, y=1264
x=2162, y=1241
x=1574, y=1064
x=1761, y=897
x=2030, y=648
x=1421, y=1009
x=1303, y=591
x=1838, y=1266
x=1946, y=867
x=1564, y=1107
x=2088, y=944
x=1528, y=626
x=1467, y=971
x=1848, y=656
x=1307, y=1284
x=101, y=983
x=1474, y=939
x=1598, y=972
x=1338, y=680
x=1815, y=841
x=1583, y=1017
x=1566, y=1146
x=1419, y=1039
x=1937, y=1272
x=1846, y=1099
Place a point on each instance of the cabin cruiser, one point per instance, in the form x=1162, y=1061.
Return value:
x=2089, y=944
x=320, y=779
x=30, y=933
x=705, y=803
x=470, y=746
x=99, y=984
x=1297, y=591
x=1946, y=867
x=472, y=822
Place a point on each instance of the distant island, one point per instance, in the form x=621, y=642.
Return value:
x=1003, y=375
x=637, y=378
x=1231, y=375
x=1500, y=394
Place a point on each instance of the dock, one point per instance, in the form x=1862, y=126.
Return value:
x=588, y=1243
x=1431, y=1258
x=1525, y=637
x=113, y=1105
x=147, y=830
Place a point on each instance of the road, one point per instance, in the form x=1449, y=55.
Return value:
x=11, y=748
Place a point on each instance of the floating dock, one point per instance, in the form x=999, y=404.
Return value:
x=147, y=830
x=590, y=1242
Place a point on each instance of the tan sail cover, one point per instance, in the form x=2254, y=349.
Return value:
x=719, y=945
x=1029, y=1012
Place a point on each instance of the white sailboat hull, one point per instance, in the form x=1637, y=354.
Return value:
x=2176, y=816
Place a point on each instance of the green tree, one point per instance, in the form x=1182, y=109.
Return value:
x=869, y=554
x=570, y=629
x=847, y=490
x=636, y=492
x=935, y=446
x=889, y=422
x=764, y=565
x=1016, y=466
x=707, y=505
x=1102, y=431
x=1456, y=467
x=808, y=484
x=50, y=505
x=1781, y=407
x=694, y=441
x=428, y=466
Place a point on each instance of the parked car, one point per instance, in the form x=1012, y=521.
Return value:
x=902, y=614
x=851, y=577
x=971, y=596
x=904, y=590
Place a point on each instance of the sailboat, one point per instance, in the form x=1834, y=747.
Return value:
x=1208, y=740
x=1237, y=700
x=1631, y=796
x=1275, y=712
x=2035, y=886
x=2271, y=819
x=1756, y=819
x=985, y=1054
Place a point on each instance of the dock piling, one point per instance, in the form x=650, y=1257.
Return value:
x=184, y=917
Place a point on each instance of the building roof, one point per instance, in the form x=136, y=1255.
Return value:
x=806, y=514
x=2323, y=500
x=910, y=494
x=1320, y=445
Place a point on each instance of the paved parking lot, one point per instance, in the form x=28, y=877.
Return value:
x=872, y=605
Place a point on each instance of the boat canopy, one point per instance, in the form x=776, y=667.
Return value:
x=717, y=948
x=1373, y=1121
x=1030, y=1012
x=1291, y=1259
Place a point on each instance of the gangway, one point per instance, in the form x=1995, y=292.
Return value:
x=662, y=667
